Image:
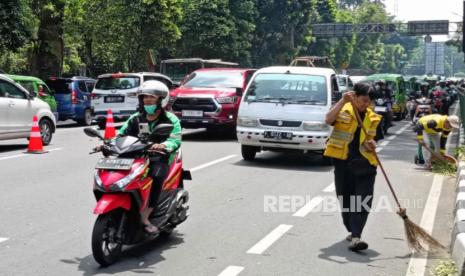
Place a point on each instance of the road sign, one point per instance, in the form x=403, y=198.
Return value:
x=431, y=27
x=347, y=29
x=434, y=58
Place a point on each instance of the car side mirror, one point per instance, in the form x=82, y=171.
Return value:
x=92, y=132
x=239, y=91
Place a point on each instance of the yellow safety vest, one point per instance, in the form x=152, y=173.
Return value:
x=343, y=134
x=439, y=127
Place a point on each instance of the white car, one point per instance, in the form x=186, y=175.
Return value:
x=284, y=108
x=118, y=92
x=17, y=109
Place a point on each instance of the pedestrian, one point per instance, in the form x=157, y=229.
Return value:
x=432, y=131
x=354, y=159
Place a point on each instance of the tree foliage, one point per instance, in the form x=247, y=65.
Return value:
x=56, y=37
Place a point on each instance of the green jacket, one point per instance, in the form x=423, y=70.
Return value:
x=131, y=128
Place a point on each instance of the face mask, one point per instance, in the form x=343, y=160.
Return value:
x=150, y=109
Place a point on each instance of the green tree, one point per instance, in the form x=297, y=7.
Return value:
x=282, y=30
x=15, y=29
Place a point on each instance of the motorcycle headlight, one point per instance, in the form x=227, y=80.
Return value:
x=123, y=182
x=247, y=122
x=379, y=101
x=226, y=100
x=98, y=181
x=315, y=126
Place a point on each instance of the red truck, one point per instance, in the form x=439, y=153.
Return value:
x=209, y=98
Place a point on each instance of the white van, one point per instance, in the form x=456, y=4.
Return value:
x=118, y=92
x=284, y=108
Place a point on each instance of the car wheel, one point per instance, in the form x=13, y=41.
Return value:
x=46, y=131
x=248, y=152
x=87, y=120
x=326, y=161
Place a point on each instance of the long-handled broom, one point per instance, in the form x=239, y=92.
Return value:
x=417, y=238
x=444, y=158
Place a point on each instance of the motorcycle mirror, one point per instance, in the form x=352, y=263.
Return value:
x=92, y=132
x=162, y=130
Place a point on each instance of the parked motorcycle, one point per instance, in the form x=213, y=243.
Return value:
x=122, y=185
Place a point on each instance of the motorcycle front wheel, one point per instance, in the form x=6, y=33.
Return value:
x=106, y=246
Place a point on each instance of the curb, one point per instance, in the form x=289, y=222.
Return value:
x=458, y=232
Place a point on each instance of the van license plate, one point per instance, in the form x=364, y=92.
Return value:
x=192, y=113
x=278, y=135
x=114, y=99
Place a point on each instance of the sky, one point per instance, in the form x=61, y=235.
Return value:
x=409, y=10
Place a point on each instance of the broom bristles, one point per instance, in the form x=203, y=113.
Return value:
x=417, y=238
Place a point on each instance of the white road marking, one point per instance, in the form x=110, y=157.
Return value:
x=267, y=241
x=24, y=155
x=331, y=188
x=3, y=239
x=417, y=264
x=231, y=271
x=392, y=137
x=384, y=143
x=214, y=162
x=403, y=129
x=307, y=208
x=378, y=149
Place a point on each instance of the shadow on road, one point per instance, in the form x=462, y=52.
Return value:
x=288, y=161
x=340, y=254
x=209, y=136
x=7, y=148
x=137, y=259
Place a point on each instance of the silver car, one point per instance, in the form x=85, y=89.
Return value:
x=17, y=109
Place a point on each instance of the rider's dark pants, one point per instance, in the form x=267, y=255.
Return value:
x=352, y=191
x=158, y=172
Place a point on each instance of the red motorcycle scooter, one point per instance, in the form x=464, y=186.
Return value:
x=122, y=186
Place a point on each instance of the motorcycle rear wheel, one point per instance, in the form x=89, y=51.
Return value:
x=106, y=247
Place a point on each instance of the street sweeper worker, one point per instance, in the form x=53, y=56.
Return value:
x=433, y=130
x=354, y=160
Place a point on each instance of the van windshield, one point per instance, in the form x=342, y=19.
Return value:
x=110, y=83
x=177, y=71
x=288, y=88
x=59, y=86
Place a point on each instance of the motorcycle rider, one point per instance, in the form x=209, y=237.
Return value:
x=153, y=97
x=384, y=92
x=434, y=129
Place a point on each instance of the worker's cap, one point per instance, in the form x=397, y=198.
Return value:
x=454, y=121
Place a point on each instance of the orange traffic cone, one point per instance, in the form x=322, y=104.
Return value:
x=110, y=131
x=35, y=139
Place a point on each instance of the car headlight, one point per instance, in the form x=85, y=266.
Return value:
x=123, y=182
x=315, y=126
x=247, y=122
x=226, y=100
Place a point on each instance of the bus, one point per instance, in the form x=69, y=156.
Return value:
x=177, y=69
